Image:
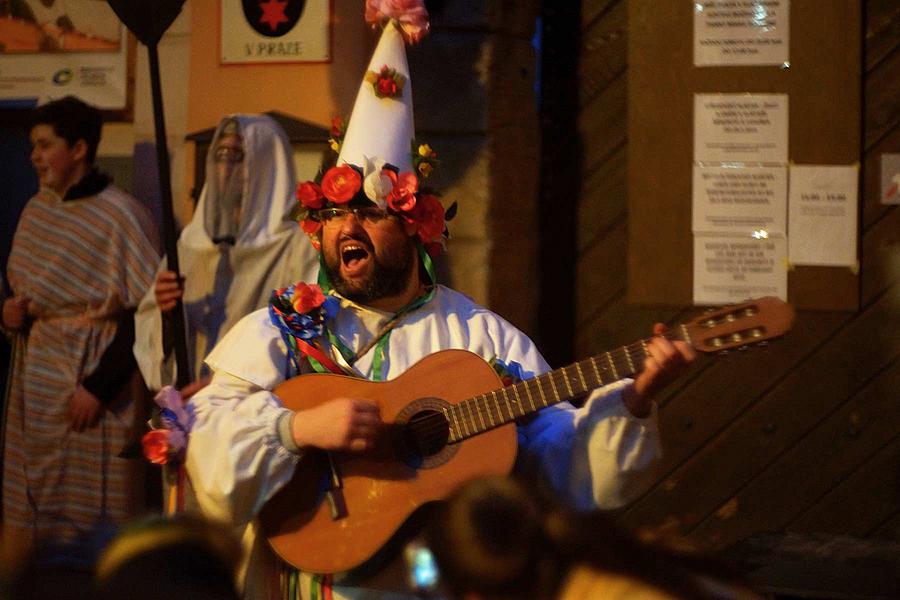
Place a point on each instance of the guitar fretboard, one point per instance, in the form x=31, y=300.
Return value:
x=501, y=406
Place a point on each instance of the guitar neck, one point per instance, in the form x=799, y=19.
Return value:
x=501, y=406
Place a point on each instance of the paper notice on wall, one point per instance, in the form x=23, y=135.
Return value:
x=741, y=32
x=741, y=128
x=890, y=178
x=822, y=215
x=729, y=269
x=740, y=200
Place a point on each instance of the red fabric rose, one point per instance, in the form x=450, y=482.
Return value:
x=386, y=86
x=340, y=184
x=337, y=126
x=403, y=197
x=429, y=214
x=310, y=195
x=307, y=297
x=156, y=446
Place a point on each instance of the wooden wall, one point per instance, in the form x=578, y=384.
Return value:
x=800, y=436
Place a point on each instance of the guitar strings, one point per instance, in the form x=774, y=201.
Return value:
x=437, y=423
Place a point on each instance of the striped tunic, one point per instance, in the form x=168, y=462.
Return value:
x=80, y=262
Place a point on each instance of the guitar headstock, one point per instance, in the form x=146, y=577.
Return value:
x=740, y=325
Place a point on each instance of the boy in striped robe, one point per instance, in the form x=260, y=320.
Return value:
x=83, y=255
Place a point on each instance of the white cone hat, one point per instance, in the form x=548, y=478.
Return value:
x=382, y=128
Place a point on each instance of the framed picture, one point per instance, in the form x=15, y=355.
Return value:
x=275, y=31
x=55, y=48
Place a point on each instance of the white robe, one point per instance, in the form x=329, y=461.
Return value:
x=595, y=456
x=224, y=283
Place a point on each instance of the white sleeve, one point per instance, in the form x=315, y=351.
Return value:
x=148, y=343
x=235, y=458
x=596, y=456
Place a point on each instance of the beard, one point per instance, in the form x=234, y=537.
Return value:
x=389, y=276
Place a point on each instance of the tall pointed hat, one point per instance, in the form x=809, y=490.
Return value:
x=378, y=160
x=381, y=124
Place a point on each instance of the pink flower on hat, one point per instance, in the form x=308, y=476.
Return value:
x=410, y=14
x=403, y=195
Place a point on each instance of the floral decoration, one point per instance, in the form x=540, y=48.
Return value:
x=166, y=442
x=410, y=15
x=387, y=82
x=302, y=309
x=382, y=184
x=336, y=132
x=510, y=373
x=424, y=159
x=340, y=184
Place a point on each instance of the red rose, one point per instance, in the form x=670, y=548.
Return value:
x=307, y=297
x=429, y=214
x=403, y=196
x=340, y=184
x=337, y=126
x=310, y=195
x=156, y=446
x=386, y=86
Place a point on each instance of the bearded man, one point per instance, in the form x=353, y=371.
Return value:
x=382, y=312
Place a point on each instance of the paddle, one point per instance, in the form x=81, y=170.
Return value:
x=148, y=20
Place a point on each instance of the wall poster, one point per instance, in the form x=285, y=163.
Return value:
x=275, y=31
x=54, y=48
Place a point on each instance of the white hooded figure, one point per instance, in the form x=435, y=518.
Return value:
x=239, y=246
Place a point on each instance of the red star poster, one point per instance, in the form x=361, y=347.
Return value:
x=275, y=31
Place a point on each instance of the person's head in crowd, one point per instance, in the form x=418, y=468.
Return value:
x=64, y=135
x=181, y=557
x=247, y=194
x=498, y=538
x=227, y=176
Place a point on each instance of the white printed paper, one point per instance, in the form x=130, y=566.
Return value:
x=741, y=32
x=741, y=128
x=823, y=215
x=890, y=178
x=275, y=31
x=740, y=200
x=729, y=269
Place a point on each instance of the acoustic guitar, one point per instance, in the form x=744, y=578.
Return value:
x=448, y=419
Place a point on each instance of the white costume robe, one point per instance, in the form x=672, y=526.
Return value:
x=596, y=455
x=223, y=283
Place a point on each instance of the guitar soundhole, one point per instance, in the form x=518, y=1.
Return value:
x=426, y=432
x=421, y=434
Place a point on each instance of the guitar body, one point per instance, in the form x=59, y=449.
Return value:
x=448, y=420
x=379, y=490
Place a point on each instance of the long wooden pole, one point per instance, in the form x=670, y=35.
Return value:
x=170, y=238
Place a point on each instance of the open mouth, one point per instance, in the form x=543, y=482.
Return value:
x=354, y=254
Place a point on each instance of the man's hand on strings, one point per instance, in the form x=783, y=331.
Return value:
x=665, y=361
x=168, y=289
x=343, y=424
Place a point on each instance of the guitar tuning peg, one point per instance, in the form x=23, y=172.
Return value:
x=763, y=343
x=744, y=348
x=723, y=353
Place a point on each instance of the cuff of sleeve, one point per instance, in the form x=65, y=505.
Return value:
x=285, y=435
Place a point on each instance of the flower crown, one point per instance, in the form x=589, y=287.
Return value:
x=381, y=184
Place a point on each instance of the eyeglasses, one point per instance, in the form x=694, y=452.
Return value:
x=336, y=216
x=228, y=154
